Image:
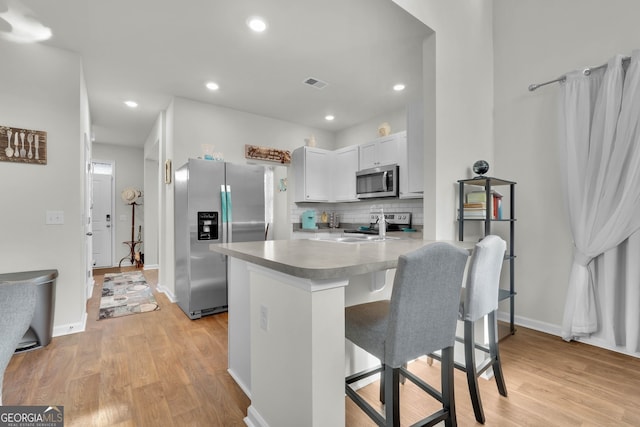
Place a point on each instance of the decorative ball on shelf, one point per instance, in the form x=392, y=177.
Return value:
x=481, y=167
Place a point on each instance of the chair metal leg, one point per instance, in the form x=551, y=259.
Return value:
x=382, y=384
x=392, y=396
x=470, y=368
x=494, y=352
x=448, y=398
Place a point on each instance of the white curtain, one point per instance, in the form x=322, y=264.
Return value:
x=600, y=148
x=618, y=304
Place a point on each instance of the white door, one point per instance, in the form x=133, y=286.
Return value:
x=102, y=220
x=88, y=231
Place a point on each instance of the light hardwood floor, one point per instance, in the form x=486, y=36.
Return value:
x=162, y=369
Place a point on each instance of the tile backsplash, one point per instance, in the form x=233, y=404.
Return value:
x=358, y=212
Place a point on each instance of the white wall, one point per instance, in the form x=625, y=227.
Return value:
x=153, y=184
x=368, y=131
x=129, y=172
x=41, y=89
x=197, y=123
x=464, y=102
x=537, y=41
x=189, y=124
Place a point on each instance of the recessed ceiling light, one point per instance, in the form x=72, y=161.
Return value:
x=212, y=86
x=398, y=87
x=24, y=29
x=131, y=104
x=329, y=117
x=257, y=24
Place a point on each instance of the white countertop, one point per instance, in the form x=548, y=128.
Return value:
x=318, y=259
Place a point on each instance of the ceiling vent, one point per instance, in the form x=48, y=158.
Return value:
x=318, y=84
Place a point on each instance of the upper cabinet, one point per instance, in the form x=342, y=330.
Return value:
x=345, y=166
x=398, y=149
x=325, y=176
x=413, y=175
x=379, y=152
x=330, y=176
x=312, y=168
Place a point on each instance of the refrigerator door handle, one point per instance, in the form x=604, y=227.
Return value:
x=223, y=209
x=229, y=215
x=223, y=203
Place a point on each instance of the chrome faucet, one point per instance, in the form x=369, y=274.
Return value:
x=381, y=222
x=382, y=226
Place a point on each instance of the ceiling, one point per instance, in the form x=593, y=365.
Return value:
x=152, y=50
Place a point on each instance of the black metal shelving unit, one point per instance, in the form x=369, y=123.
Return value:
x=488, y=183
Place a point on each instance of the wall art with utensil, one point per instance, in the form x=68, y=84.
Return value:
x=23, y=145
x=267, y=153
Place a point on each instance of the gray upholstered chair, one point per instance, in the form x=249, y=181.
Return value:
x=479, y=298
x=420, y=318
x=17, y=305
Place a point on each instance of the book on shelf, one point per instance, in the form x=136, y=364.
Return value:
x=475, y=213
x=478, y=200
x=475, y=205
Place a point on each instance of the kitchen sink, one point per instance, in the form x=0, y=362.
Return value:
x=357, y=239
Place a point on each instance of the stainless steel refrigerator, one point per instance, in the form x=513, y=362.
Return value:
x=215, y=202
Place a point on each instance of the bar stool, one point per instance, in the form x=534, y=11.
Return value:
x=479, y=298
x=420, y=318
x=17, y=305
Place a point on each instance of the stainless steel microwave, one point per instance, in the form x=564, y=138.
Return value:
x=377, y=182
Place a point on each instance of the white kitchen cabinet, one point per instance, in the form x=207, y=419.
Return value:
x=414, y=168
x=312, y=174
x=397, y=149
x=410, y=171
x=379, y=152
x=343, y=177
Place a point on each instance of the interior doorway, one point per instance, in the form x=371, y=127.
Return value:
x=103, y=208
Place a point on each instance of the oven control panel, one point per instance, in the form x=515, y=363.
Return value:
x=395, y=218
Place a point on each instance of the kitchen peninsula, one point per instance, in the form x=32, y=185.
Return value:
x=286, y=322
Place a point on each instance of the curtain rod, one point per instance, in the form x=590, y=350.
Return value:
x=586, y=72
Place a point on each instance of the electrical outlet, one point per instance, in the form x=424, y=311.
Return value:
x=264, y=317
x=54, y=218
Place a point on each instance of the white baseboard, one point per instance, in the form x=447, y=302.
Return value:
x=556, y=330
x=537, y=325
x=150, y=267
x=90, y=286
x=254, y=419
x=168, y=293
x=597, y=342
x=71, y=328
x=242, y=385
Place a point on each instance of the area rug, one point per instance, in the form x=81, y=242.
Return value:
x=124, y=294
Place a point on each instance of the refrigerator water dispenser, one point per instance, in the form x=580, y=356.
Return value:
x=207, y=225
